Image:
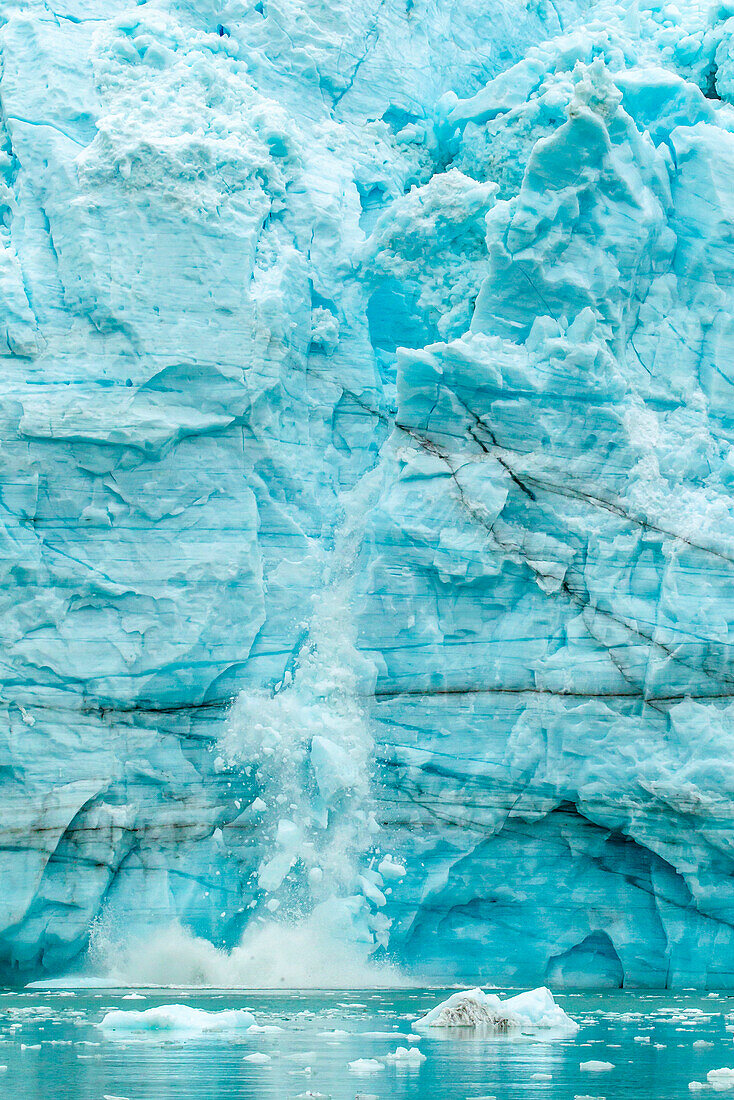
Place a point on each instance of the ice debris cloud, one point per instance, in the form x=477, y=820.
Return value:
x=309, y=744
x=366, y=483
x=525, y=1012
x=312, y=953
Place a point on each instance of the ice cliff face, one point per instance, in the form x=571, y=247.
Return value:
x=370, y=364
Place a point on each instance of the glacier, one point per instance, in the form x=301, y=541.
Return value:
x=367, y=467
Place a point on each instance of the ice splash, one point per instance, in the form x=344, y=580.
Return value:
x=305, y=955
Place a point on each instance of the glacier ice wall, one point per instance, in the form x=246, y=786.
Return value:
x=456, y=280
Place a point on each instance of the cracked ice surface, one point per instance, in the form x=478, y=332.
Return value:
x=457, y=280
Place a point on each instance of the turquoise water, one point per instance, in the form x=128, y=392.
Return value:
x=54, y=1049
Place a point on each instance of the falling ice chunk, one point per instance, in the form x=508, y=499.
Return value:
x=390, y=868
x=335, y=770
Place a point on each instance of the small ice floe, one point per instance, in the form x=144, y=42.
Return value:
x=405, y=1056
x=383, y=1035
x=133, y=997
x=595, y=1067
x=181, y=1020
x=721, y=1079
x=110, y=1096
x=336, y=1033
x=263, y=1029
x=256, y=1059
x=365, y=1065
x=702, y=1044
x=642, y=1038
x=531, y=1011
x=697, y=1086
x=541, y=1076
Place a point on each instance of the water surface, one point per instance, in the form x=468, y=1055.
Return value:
x=54, y=1049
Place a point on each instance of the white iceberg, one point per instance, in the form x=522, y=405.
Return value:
x=721, y=1080
x=365, y=1065
x=405, y=1056
x=530, y=1011
x=177, y=1019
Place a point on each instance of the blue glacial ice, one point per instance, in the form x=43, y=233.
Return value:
x=367, y=466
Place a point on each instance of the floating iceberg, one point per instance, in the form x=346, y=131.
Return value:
x=177, y=1019
x=405, y=1056
x=721, y=1080
x=531, y=1011
x=365, y=1065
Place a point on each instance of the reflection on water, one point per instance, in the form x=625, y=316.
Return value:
x=54, y=1049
